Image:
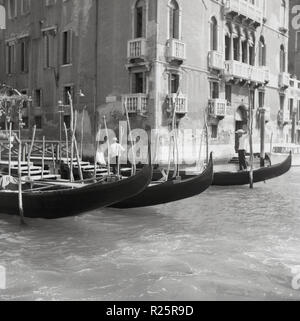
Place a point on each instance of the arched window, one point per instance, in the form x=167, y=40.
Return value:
x=283, y=14
x=2, y=17
x=236, y=43
x=213, y=34
x=282, y=59
x=251, y=42
x=174, y=20
x=227, y=42
x=140, y=19
x=262, y=51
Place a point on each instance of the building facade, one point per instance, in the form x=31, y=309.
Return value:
x=210, y=60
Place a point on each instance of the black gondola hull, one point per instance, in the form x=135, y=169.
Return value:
x=170, y=191
x=69, y=202
x=259, y=175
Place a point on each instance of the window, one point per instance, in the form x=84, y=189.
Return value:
x=283, y=14
x=261, y=99
x=66, y=91
x=10, y=58
x=298, y=111
x=214, y=131
x=298, y=41
x=227, y=47
x=38, y=98
x=282, y=102
x=12, y=9
x=213, y=34
x=252, y=99
x=140, y=19
x=48, y=43
x=25, y=122
x=228, y=94
x=282, y=59
x=38, y=122
x=245, y=51
x=236, y=48
x=262, y=52
x=174, y=81
x=67, y=121
x=66, y=47
x=25, y=6
x=138, y=83
x=214, y=90
x=24, y=55
x=174, y=20
x=291, y=108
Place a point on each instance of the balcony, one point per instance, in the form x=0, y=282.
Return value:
x=216, y=60
x=284, y=80
x=135, y=103
x=137, y=49
x=176, y=50
x=245, y=9
x=257, y=74
x=217, y=108
x=181, y=103
x=243, y=71
x=236, y=69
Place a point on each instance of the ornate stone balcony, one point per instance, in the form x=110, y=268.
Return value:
x=245, y=9
x=284, y=80
x=176, y=50
x=242, y=71
x=135, y=103
x=217, y=108
x=137, y=49
x=216, y=60
x=180, y=101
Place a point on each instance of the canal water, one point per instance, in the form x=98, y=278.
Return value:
x=226, y=244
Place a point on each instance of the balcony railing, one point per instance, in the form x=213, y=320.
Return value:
x=284, y=80
x=257, y=74
x=135, y=103
x=176, y=50
x=245, y=9
x=180, y=102
x=237, y=69
x=137, y=48
x=217, y=107
x=216, y=60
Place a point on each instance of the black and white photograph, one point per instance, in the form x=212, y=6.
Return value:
x=149, y=152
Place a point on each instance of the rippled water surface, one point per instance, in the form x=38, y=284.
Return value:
x=225, y=244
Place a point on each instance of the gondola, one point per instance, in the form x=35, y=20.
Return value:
x=63, y=201
x=259, y=175
x=161, y=193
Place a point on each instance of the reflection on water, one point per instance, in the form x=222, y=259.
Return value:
x=225, y=244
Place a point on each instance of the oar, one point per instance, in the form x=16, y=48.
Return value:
x=76, y=149
x=108, y=146
x=20, y=196
x=72, y=138
x=9, y=148
x=30, y=151
x=133, y=172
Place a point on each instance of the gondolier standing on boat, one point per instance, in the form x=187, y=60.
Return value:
x=242, y=140
x=116, y=151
